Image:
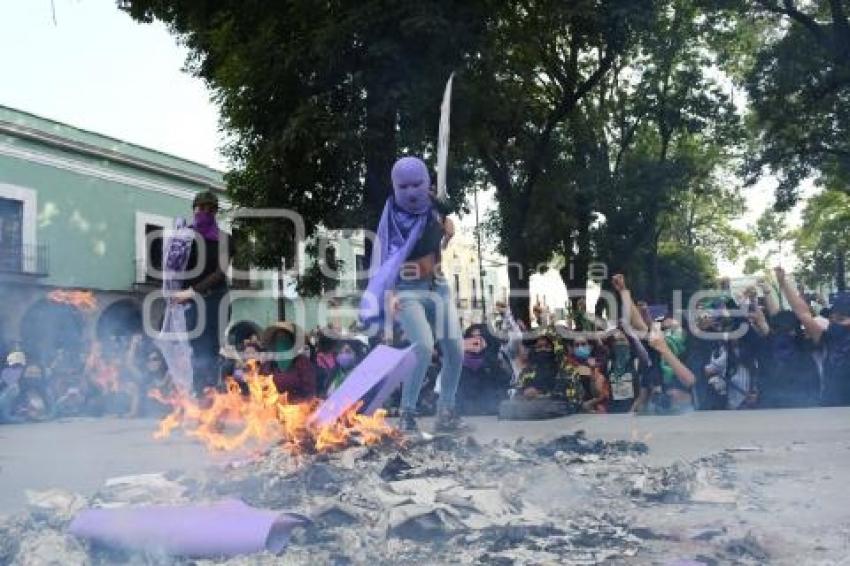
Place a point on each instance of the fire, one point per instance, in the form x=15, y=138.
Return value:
x=82, y=300
x=229, y=420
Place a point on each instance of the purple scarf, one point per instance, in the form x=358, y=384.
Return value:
x=204, y=224
x=405, y=216
x=473, y=360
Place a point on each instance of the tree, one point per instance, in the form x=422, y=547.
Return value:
x=772, y=228
x=319, y=98
x=798, y=85
x=753, y=265
x=821, y=244
x=539, y=61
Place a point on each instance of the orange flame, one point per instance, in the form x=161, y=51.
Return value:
x=82, y=300
x=229, y=420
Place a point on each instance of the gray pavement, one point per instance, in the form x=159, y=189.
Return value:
x=80, y=454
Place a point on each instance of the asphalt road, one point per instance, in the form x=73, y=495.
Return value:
x=80, y=454
x=792, y=466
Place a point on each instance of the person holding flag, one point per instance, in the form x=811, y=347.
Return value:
x=405, y=280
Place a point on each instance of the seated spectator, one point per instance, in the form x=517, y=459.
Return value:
x=325, y=361
x=349, y=352
x=540, y=374
x=156, y=385
x=293, y=372
x=67, y=384
x=673, y=393
x=34, y=402
x=835, y=338
x=580, y=367
x=10, y=388
x=790, y=377
x=483, y=381
x=622, y=373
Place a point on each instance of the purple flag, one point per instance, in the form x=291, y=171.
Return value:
x=222, y=529
x=375, y=379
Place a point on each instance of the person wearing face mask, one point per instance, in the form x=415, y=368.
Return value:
x=405, y=276
x=580, y=366
x=348, y=353
x=483, y=383
x=622, y=372
x=540, y=376
x=209, y=258
x=288, y=361
x=835, y=389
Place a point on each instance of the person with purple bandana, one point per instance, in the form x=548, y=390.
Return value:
x=209, y=256
x=405, y=275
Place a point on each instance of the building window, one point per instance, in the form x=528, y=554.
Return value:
x=474, y=294
x=11, y=234
x=150, y=230
x=153, y=266
x=490, y=293
x=19, y=250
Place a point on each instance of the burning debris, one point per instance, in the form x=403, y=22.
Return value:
x=82, y=300
x=438, y=500
x=233, y=420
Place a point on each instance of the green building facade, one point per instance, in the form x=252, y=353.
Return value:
x=78, y=211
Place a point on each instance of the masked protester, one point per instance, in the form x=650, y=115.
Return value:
x=209, y=256
x=483, y=380
x=580, y=367
x=348, y=353
x=790, y=377
x=293, y=372
x=622, y=373
x=835, y=338
x=405, y=264
x=540, y=376
x=34, y=402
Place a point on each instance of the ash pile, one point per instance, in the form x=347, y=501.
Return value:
x=437, y=501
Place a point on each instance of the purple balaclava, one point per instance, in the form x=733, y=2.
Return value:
x=411, y=185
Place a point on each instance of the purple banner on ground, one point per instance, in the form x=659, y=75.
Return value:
x=221, y=529
x=372, y=381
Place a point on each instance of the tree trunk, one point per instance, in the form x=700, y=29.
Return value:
x=380, y=154
x=520, y=302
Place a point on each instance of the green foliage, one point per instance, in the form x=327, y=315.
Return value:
x=798, y=86
x=754, y=265
x=824, y=236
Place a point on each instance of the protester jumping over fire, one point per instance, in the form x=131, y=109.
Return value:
x=407, y=285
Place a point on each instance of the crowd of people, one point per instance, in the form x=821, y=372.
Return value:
x=729, y=353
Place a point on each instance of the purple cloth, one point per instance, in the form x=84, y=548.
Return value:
x=381, y=372
x=412, y=185
x=398, y=232
x=172, y=340
x=222, y=529
x=473, y=361
x=205, y=224
x=405, y=216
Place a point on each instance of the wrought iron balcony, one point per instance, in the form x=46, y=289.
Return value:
x=25, y=259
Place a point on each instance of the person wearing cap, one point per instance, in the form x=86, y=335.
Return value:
x=209, y=257
x=835, y=389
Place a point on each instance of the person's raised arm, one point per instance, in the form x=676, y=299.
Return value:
x=631, y=317
x=798, y=305
x=683, y=374
x=770, y=302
